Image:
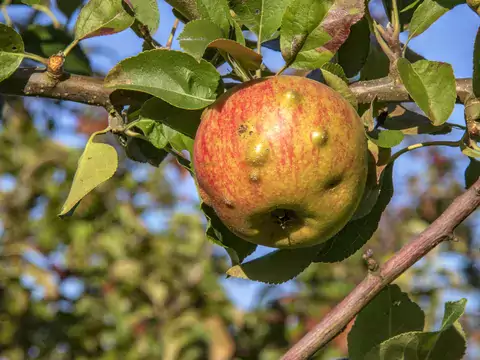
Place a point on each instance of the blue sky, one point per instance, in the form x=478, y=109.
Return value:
x=450, y=39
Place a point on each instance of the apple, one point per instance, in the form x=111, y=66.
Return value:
x=282, y=161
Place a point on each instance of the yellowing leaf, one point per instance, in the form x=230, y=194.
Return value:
x=97, y=164
x=102, y=17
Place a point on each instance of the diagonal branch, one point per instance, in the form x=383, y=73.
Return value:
x=335, y=321
x=90, y=90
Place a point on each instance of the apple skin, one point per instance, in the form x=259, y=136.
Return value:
x=282, y=161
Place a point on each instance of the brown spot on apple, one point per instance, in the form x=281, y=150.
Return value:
x=254, y=176
x=242, y=129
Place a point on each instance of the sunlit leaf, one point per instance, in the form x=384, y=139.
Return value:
x=146, y=12
x=385, y=138
x=336, y=83
x=217, y=11
x=427, y=13
x=247, y=58
x=432, y=85
x=262, y=17
x=196, y=36
x=313, y=31
x=173, y=76
x=97, y=164
x=11, y=51
x=102, y=17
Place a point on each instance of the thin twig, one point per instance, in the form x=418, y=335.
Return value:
x=423, y=144
x=168, y=45
x=440, y=230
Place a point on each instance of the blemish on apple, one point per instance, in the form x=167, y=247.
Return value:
x=228, y=203
x=254, y=176
x=291, y=98
x=257, y=153
x=319, y=137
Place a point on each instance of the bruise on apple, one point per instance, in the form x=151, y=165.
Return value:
x=282, y=160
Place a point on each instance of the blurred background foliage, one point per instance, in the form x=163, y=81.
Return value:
x=108, y=284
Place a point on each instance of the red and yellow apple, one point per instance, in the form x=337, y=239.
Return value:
x=282, y=161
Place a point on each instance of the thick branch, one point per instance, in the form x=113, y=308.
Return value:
x=37, y=82
x=335, y=321
x=90, y=90
x=385, y=89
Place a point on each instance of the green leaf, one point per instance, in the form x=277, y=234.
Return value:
x=357, y=232
x=184, y=121
x=144, y=152
x=247, y=58
x=11, y=51
x=312, y=31
x=353, y=54
x=389, y=314
x=340, y=86
x=97, y=164
x=427, y=13
x=412, y=123
x=196, y=36
x=68, y=7
x=432, y=85
x=368, y=117
x=102, y=17
x=46, y=41
x=275, y=267
x=470, y=151
x=472, y=173
x=238, y=249
x=146, y=12
x=36, y=2
x=476, y=66
x=161, y=136
x=217, y=11
x=377, y=64
x=262, y=17
x=173, y=76
x=337, y=70
x=301, y=32
x=447, y=344
x=385, y=138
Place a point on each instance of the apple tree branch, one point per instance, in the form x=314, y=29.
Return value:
x=90, y=90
